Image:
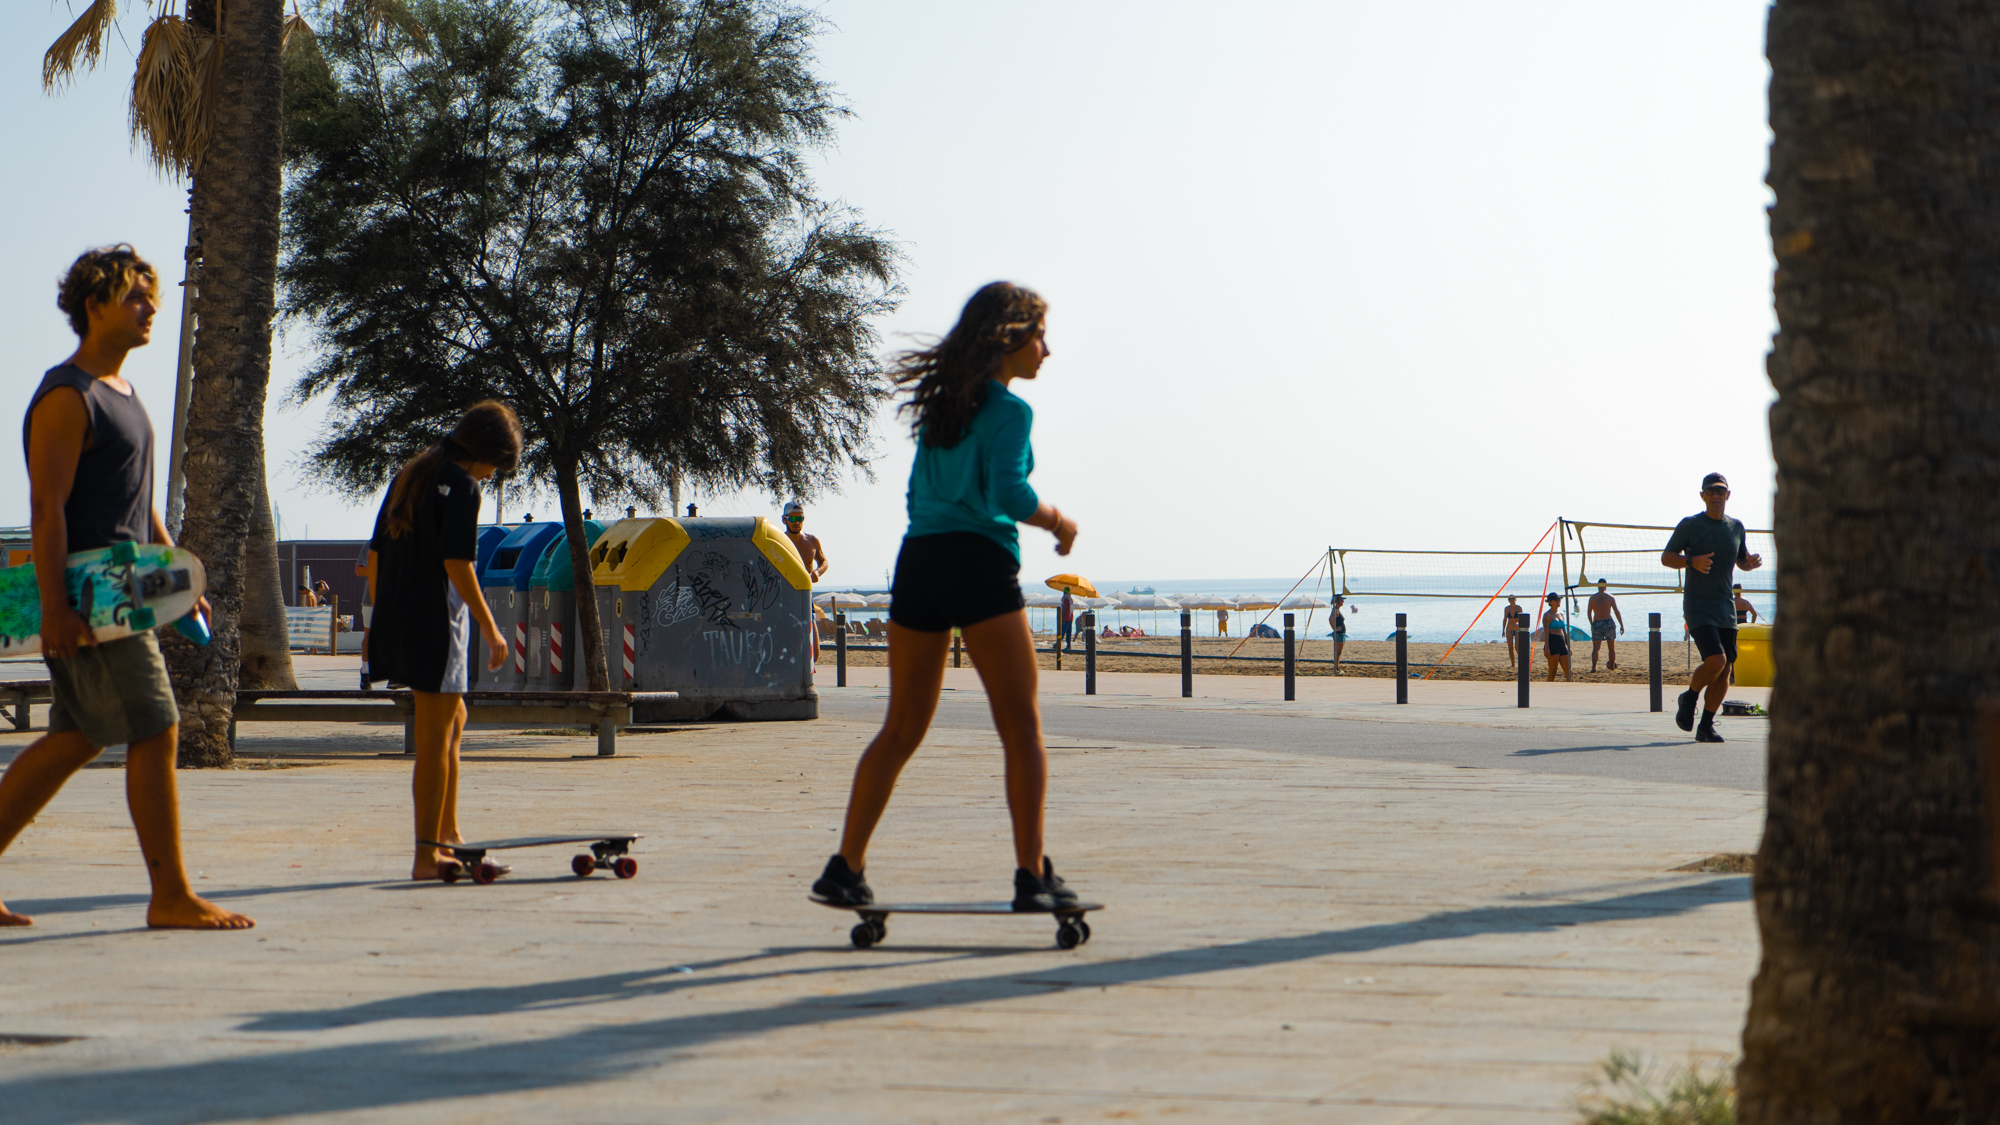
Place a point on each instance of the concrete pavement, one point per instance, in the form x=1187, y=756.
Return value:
x=1293, y=934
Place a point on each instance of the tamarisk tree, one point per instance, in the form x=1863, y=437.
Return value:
x=598, y=212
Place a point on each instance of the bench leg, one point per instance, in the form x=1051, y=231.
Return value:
x=607, y=737
x=21, y=712
x=410, y=733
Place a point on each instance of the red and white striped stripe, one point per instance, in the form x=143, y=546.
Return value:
x=555, y=647
x=520, y=649
x=629, y=654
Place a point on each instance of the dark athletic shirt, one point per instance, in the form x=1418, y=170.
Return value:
x=112, y=499
x=1710, y=599
x=410, y=636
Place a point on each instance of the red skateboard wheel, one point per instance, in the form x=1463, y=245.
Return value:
x=486, y=872
x=625, y=867
x=583, y=865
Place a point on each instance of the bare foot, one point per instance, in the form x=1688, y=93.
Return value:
x=9, y=918
x=194, y=913
x=422, y=874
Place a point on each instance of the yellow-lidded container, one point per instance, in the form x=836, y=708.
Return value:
x=1754, y=666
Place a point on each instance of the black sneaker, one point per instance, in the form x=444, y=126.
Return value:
x=1046, y=893
x=1684, y=714
x=1706, y=732
x=843, y=886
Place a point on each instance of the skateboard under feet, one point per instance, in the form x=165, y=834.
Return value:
x=1071, y=928
x=607, y=853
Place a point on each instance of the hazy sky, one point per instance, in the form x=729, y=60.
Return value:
x=1326, y=273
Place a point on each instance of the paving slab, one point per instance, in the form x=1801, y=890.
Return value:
x=1290, y=936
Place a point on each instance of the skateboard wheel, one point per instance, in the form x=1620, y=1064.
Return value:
x=486, y=872
x=1083, y=928
x=583, y=865
x=450, y=872
x=862, y=935
x=1068, y=936
x=880, y=926
x=625, y=867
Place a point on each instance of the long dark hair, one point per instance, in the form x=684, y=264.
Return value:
x=951, y=375
x=487, y=432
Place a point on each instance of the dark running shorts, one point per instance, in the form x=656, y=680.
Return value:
x=1604, y=629
x=1712, y=641
x=1558, y=643
x=952, y=580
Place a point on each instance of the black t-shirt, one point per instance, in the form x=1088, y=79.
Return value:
x=1710, y=599
x=112, y=498
x=410, y=638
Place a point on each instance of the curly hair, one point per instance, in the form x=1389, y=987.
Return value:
x=488, y=431
x=107, y=273
x=951, y=375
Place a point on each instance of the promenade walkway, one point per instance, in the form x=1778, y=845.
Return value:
x=1303, y=928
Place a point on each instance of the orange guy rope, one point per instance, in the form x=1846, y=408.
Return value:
x=1281, y=603
x=1488, y=605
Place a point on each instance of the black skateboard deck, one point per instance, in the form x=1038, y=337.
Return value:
x=607, y=853
x=1071, y=928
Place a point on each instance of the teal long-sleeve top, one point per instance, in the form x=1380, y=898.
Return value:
x=980, y=484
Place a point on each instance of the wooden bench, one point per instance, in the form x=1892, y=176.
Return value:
x=602, y=711
x=21, y=693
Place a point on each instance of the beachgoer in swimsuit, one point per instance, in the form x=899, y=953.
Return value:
x=959, y=568
x=1338, y=621
x=1746, y=614
x=1603, y=630
x=1555, y=638
x=1510, y=617
x=426, y=540
x=90, y=485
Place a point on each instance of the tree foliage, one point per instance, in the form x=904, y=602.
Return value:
x=596, y=210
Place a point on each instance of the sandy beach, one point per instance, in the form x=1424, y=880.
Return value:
x=1473, y=660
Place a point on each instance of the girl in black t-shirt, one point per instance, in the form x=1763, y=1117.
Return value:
x=425, y=595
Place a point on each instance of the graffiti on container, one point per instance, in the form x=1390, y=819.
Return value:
x=699, y=594
x=737, y=647
x=761, y=585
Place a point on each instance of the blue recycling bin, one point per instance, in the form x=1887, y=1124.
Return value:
x=553, y=648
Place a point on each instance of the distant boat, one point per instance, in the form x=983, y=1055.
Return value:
x=1137, y=590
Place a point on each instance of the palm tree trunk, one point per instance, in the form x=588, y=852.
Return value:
x=236, y=206
x=267, y=643
x=589, y=630
x=1878, y=997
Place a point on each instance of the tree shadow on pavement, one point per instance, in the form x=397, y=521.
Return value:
x=413, y=1071
x=1688, y=741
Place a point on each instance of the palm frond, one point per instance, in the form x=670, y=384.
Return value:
x=298, y=36
x=82, y=44
x=173, y=93
x=377, y=16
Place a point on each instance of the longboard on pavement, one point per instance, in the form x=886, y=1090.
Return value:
x=1071, y=929
x=607, y=853
x=119, y=591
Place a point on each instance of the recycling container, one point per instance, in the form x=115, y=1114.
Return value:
x=1754, y=666
x=552, y=648
x=716, y=609
x=505, y=587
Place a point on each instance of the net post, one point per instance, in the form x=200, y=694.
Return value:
x=1187, y=654
x=1402, y=658
x=1089, y=653
x=1291, y=661
x=839, y=650
x=1653, y=661
x=1522, y=632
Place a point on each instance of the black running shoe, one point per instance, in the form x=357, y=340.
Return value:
x=843, y=886
x=1684, y=714
x=1044, y=893
x=1706, y=732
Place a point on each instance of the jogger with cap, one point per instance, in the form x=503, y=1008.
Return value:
x=1709, y=546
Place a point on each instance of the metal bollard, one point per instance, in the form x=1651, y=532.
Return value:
x=1187, y=654
x=1522, y=633
x=956, y=640
x=1653, y=656
x=1089, y=654
x=1402, y=658
x=1291, y=661
x=839, y=650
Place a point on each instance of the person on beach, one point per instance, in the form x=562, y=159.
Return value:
x=1602, y=607
x=1709, y=545
x=90, y=485
x=1510, y=623
x=426, y=539
x=1065, y=621
x=1746, y=614
x=1338, y=621
x=367, y=575
x=1221, y=622
x=808, y=546
x=307, y=599
x=959, y=567
x=1555, y=638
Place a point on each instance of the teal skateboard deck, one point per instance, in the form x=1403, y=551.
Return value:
x=1071, y=928
x=607, y=853
x=119, y=591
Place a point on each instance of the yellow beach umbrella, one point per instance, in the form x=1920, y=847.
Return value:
x=1074, y=583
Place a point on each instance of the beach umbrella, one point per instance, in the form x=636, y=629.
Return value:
x=1040, y=600
x=1147, y=602
x=1074, y=583
x=1204, y=601
x=878, y=601
x=840, y=601
x=1305, y=601
x=1256, y=601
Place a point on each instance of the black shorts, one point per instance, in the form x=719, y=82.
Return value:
x=1558, y=644
x=1713, y=641
x=952, y=580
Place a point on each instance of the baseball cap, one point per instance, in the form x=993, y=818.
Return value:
x=794, y=506
x=1713, y=479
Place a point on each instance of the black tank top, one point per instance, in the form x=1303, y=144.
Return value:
x=112, y=499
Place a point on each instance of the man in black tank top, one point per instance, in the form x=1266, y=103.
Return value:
x=90, y=480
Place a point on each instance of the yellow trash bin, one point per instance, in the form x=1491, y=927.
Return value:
x=1754, y=667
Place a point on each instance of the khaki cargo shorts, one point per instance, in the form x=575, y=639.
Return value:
x=113, y=693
